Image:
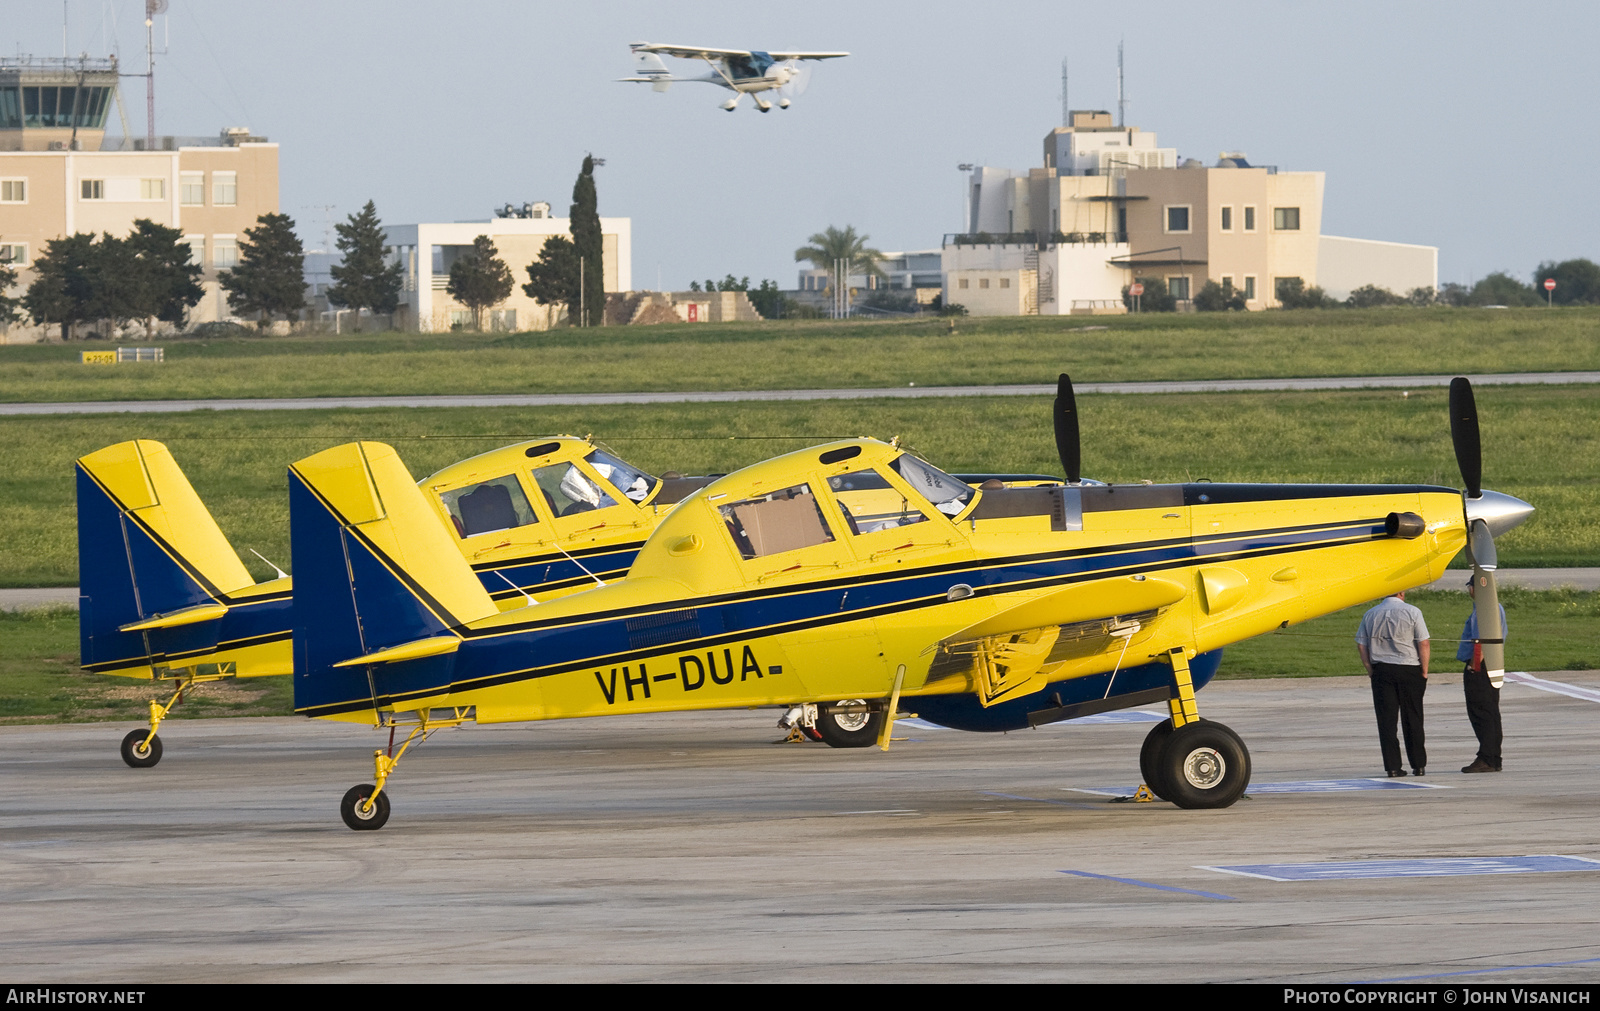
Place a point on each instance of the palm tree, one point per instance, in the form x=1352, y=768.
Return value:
x=840, y=244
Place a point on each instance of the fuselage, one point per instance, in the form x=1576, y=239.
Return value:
x=752, y=592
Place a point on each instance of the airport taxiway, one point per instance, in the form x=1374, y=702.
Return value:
x=689, y=847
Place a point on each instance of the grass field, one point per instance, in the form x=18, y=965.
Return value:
x=40, y=681
x=1541, y=444
x=828, y=354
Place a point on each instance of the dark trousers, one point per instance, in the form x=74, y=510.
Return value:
x=1397, y=692
x=1483, y=709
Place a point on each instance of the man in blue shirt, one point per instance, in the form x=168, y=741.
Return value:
x=1483, y=695
x=1393, y=644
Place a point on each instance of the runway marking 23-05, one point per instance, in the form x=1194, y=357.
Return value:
x=1301, y=786
x=1436, y=867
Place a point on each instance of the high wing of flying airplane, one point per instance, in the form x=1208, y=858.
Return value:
x=741, y=71
x=857, y=571
x=163, y=595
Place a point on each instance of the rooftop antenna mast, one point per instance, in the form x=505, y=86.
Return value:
x=1066, y=115
x=1122, y=101
x=151, y=9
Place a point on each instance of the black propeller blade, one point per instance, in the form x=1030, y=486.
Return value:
x=1066, y=418
x=1464, y=434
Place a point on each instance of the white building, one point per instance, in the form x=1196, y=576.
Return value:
x=427, y=250
x=1021, y=279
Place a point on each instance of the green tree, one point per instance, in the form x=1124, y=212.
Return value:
x=63, y=288
x=1371, y=296
x=832, y=245
x=480, y=279
x=1214, y=297
x=585, y=225
x=1577, y=281
x=8, y=303
x=168, y=281
x=1501, y=288
x=553, y=277
x=1422, y=296
x=363, y=277
x=1293, y=294
x=1156, y=297
x=270, y=277
x=769, y=301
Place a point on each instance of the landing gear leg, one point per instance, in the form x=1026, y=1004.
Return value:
x=365, y=808
x=1192, y=762
x=142, y=749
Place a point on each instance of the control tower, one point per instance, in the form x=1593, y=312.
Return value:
x=55, y=103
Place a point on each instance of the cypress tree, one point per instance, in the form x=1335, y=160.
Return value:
x=585, y=225
x=270, y=277
x=362, y=278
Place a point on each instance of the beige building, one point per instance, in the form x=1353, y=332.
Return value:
x=60, y=174
x=427, y=251
x=1156, y=216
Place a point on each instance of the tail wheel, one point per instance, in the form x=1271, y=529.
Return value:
x=355, y=799
x=139, y=753
x=1203, y=765
x=848, y=729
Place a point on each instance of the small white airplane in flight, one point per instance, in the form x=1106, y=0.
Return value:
x=741, y=71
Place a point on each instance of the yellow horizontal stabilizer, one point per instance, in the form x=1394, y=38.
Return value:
x=173, y=619
x=415, y=650
x=1103, y=598
x=144, y=479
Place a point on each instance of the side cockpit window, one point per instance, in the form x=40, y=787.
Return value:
x=634, y=483
x=570, y=491
x=944, y=492
x=870, y=503
x=483, y=508
x=785, y=520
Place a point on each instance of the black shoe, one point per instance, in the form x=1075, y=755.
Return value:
x=1479, y=765
x=1396, y=772
x=1419, y=772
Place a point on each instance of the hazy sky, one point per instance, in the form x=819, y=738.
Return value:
x=1465, y=125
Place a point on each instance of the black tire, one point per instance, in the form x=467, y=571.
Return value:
x=1204, y=765
x=848, y=730
x=350, y=808
x=1149, y=755
x=136, y=753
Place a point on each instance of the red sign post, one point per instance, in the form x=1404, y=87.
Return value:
x=1549, y=291
x=1136, y=289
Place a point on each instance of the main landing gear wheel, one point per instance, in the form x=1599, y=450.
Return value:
x=1202, y=765
x=1149, y=755
x=350, y=808
x=849, y=729
x=139, y=754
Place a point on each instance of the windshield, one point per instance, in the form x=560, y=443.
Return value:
x=630, y=480
x=947, y=495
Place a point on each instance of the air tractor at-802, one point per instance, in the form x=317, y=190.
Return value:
x=857, y=571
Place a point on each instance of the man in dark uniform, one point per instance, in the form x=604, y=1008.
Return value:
x=1483, y=694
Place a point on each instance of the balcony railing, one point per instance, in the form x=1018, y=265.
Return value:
x=1038, y=240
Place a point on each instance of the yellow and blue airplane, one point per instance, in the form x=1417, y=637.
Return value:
x=164, y=596
x=857, y=571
